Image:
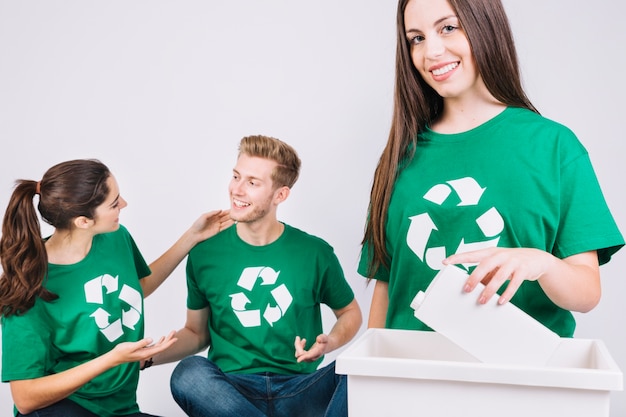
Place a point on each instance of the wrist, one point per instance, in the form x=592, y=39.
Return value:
x=147, y=363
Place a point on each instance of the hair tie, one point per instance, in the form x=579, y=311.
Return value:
x=38, y=188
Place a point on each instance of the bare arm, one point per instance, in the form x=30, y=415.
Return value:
x=192, y=338
x=33, y=394
x=203, y=228
x=379, y=305
x=572, y=283
x=347, y=325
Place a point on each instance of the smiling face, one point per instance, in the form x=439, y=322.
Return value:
x=107, y=214
x=440, y=50
x=252, y=193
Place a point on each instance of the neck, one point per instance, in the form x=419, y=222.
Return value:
x=464, y=113
x=67, y=247
x=260, y=234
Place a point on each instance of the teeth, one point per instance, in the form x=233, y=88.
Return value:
x=240, y=203
x=447, y=68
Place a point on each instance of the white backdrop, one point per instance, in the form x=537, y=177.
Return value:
x=162, y=91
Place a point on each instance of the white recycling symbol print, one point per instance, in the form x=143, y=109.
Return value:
x=422, y=226
x=272, y=313
x=132, y=297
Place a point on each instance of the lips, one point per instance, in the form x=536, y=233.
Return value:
x=445, y=69
x=240, y=204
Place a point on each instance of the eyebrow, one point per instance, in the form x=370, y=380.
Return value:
x=437, y=22
x=248, y=177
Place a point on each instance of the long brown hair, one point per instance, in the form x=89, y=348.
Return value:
x=416, y=104
x=66, y=191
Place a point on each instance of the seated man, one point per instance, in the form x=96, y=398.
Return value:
x=255, y=292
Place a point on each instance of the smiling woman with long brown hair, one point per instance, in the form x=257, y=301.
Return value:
x=473, y=175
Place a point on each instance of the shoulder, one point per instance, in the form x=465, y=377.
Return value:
x=529, y=119
x=220, y=240
x=542, y=131
x=304, y=238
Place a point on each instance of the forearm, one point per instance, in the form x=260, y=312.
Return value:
x=163, y=266
x=573, y=283
x=188, y=343
x=348, y=322
x=34, y=394
x=379, y=305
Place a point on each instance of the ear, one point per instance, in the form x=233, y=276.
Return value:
x=83, y=222
x=281, y=194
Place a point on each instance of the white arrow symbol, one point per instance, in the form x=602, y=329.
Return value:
x=251, y=318
x=269, y=276
x=419, y=233
x=248, y=277
x=130, y=318
x=93, y=288
x=468, y=189
x=110, y=283
x=113, y=331
x=283, y=297
x=239, y=301
x=438, y=194
x=272, y=314
x=102, y=317
x=131, y=296
x=491, y=222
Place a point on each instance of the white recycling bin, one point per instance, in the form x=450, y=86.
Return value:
x=424, y=374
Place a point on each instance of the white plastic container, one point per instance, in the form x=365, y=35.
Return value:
x=492, y=333
x=413, y=373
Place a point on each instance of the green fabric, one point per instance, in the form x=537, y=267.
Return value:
x=56, y=336
x=262, y=297
x=527, y=180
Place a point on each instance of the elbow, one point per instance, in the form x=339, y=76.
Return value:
x=23, y=404
x=589, y=304
x=28, y=396
x=23, y=410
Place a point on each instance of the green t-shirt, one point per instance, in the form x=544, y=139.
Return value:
x=100, y=305
x=518, y=180
x=262, y=297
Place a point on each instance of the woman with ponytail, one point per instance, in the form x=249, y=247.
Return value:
x=72, y=303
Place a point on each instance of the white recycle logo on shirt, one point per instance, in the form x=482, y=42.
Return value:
x=422, y=226
x=272, y=313
x=132, y=297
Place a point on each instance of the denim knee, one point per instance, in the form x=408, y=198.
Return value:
x=187, y=374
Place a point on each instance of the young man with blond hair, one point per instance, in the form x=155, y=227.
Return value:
x=254, y=299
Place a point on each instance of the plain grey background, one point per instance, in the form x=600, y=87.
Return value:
x=162, y=91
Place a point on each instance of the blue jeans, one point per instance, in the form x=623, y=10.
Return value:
x=201, y=389
x=68, y=408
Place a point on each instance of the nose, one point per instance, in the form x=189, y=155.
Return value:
x=122, y=203
x=235, y=186
x=435, y=47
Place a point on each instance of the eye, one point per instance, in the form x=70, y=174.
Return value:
x=416, y=40
x=449, y=29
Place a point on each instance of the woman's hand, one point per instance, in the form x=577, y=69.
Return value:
x=572, y=283
x=141, y=350
x=210, y=224
x=499, y=265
